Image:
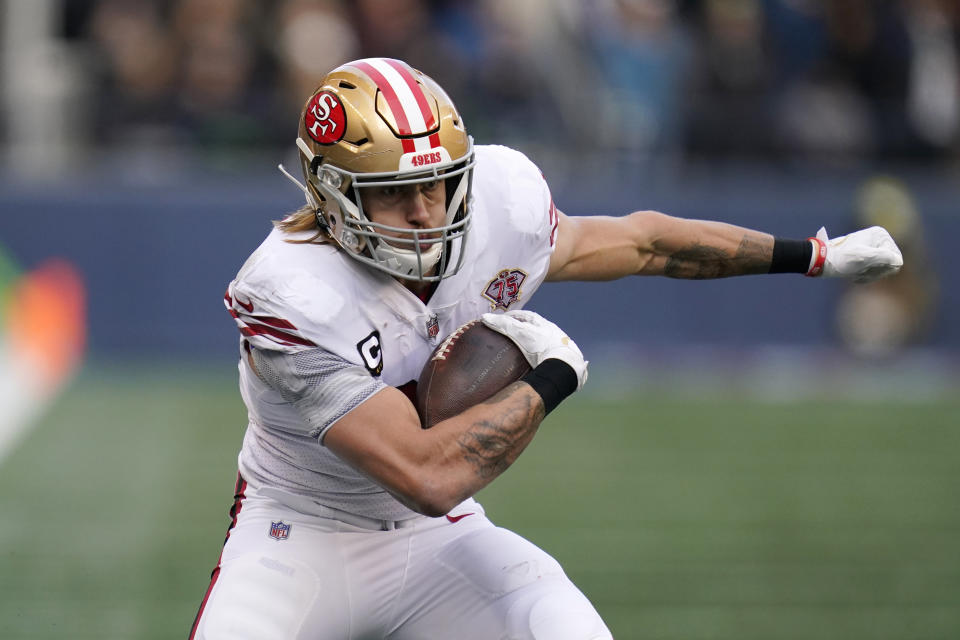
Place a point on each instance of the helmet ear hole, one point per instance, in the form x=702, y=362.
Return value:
x=321, y=221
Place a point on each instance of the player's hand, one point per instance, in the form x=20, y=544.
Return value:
x=538, y=339
x=864, y=255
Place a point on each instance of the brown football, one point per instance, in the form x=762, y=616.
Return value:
x=471, y=365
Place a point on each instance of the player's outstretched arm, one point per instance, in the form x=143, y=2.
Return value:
x=433, y=470
x=652, y=243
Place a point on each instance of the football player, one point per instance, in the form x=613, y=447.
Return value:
x=350, y=520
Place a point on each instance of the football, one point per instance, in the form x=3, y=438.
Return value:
x=471, y=365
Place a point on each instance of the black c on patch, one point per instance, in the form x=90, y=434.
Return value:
x=371, y=353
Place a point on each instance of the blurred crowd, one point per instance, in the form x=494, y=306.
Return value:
x=842, y=81
x=144, y=89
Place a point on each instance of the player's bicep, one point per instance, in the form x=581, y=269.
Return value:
x=382, y=438
x=382, y=427
x=603, y=247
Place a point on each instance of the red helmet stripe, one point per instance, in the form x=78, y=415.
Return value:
x=391, y=92
x=393, y=100
x=415, y=89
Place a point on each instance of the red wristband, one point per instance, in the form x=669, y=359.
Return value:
x=819, y=257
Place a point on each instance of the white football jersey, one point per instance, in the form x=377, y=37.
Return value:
x=328, y=332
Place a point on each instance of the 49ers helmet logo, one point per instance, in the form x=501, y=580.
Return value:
x=325, y=119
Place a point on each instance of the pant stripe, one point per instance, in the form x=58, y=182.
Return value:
x=239, y=495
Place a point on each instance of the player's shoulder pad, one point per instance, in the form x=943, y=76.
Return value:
x=517, y=183
x=284, y=297
x=498, y=161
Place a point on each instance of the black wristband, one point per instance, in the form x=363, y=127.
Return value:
x=554, y=380
x=791, y=256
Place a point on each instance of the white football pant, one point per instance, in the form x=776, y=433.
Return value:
x=450, y=578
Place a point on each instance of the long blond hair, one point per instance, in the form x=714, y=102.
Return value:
x=303, y=219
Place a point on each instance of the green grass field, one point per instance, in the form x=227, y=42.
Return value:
x=681, y=517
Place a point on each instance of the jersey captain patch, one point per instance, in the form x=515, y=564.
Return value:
x=371, y=351
x=504, y=289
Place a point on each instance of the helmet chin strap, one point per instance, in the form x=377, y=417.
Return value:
x=405, y=260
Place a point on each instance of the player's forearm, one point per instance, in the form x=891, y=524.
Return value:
x=498, y=430
x=698, y=249
x=433, y=470
x=656, y=244
x=478, y=445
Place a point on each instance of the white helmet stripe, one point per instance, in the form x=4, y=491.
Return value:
x=411, y=117
x=417, y=91
x=422, y=144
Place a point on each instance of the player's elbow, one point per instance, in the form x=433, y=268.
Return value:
x=435, y=509
x=431, y=497
x=427, y=490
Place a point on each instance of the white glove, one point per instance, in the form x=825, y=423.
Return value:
x=863, y=255
x=538, y=339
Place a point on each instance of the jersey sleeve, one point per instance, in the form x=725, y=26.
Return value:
x=279, y=304
x=321, y=386
x=264, y=328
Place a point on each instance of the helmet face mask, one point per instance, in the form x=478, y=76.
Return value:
x=375, y=123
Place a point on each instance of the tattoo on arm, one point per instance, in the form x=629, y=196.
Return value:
x=695, y=262
x=491, y=445
x=698, y=262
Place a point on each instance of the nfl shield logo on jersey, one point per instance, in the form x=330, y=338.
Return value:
x=433, y=327
x=504, y=289
x=279, y=531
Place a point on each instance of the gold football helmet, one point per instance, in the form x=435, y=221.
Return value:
x=378, y=122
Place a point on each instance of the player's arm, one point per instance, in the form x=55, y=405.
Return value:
x=433, y=470
x=652, y=243
x=375, y=428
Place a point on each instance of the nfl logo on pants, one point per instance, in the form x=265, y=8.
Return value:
x=279, y=531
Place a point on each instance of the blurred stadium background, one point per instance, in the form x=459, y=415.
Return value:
x=767, y=458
